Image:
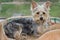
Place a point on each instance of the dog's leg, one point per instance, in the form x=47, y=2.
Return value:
x=17, y=36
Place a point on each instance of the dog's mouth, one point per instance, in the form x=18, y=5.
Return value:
x=43, y=21
x=40, y=21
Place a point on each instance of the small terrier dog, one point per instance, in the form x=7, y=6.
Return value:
x=35, y=24
x=41, y=15
x=20, y=28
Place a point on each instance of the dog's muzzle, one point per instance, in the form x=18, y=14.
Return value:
x=41, y=18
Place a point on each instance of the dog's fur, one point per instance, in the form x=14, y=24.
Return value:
x=13, y=26
x=2, y=33
x=25, y=27
x=30, y=25
x=41, y=15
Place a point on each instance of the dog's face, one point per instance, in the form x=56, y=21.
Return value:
x=40, y=12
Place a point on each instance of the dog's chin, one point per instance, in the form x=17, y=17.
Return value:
x=40, y=21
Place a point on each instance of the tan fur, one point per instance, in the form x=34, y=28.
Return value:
x=41, y=11
x=51, y=35
x=17, y=36
x=34, y=4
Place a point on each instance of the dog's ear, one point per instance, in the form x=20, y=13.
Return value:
x=33, y=5
x=47, y=5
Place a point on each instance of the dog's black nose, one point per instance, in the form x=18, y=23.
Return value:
x=41, y=18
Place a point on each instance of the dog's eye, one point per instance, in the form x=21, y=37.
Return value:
x=43, y=12
x=37, y=13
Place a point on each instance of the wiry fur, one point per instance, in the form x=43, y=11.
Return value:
x=16, y=24
x=30, y=26
x=2, y=33
x=41, y=15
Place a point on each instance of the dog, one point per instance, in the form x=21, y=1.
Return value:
x=24, y=27
x=29, y=25
x=41, y=15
